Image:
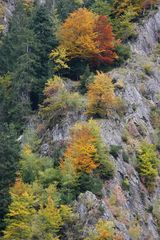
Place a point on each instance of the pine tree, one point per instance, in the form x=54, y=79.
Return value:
x=65, y=7
x=17, y=57
x=45, y=41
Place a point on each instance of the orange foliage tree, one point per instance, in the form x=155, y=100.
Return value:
x=81, y=150
x=77, y=36
x=86, y=150
x=87, y=35
x=101, y=97
x=106, y=40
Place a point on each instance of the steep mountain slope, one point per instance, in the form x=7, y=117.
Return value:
x=125, y=199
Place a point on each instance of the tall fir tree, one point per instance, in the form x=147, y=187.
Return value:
x=42, y=26
x=17, y=57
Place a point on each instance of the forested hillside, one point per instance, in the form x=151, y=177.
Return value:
x=79, y=120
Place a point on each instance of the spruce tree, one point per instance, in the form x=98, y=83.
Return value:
x=42, y=27
x=17, y=57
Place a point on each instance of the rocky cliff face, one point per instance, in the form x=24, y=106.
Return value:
x=125, y=199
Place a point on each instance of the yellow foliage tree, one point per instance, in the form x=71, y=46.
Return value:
x=101, y=97
x=85, y=35
x=77, y=36
x=60, y=58
x=21, y=212
x=30, y=217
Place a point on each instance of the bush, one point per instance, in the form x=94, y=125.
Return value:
x=90, y=183
x=106, y=170
x=148, y=163
x=123, y=52
x=125, y=156
x=148, y=69
x=135, y=230
x=126, y=184
x=155, y=118
x=114, y=150
x=59, y=100
x=86, y=79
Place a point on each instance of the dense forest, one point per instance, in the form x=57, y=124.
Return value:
x=55, y=62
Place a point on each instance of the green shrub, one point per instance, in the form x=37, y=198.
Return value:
x=126, y=184
x=59, y=100
x=86, y=79
x=106, y=170
x=123, y=52
x=115, y=150
x=49, y=176
x=90, y=183
x=32, y=164
x=125, y=156
x=147, y=164
x=148, y=69
x=155, y=118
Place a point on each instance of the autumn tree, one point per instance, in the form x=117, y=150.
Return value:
x=32, y=217
x=101, y=97
x=49, y=220
x=81, y=151
x=85, y=149
x=87, y=35
x=21, y=212
x=85, y=162
x=77, y=35
x=106, y=41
